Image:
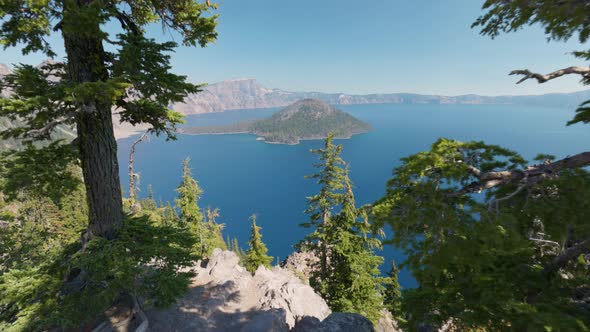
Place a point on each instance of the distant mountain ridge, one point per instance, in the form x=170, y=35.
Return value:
x=249, y=93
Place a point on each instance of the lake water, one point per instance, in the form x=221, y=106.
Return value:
x=242, y=176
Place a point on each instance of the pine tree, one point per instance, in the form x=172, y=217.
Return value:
x=235, y=247
x=189, y=193
x=330, y=178
x=256, y=254
x=392, y=296
x=170, y=216
x=348, y=275
x=102, y=70
x=213, y=231
x=149, y=203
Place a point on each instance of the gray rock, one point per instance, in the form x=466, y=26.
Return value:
x=267, y=321
x=305, y=324
x=344, y=322
x=301, y=263
x=225, y=297
x=280, y=288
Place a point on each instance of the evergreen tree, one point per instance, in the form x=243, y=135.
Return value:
x=149, y=203
x=392, y=296
x=348, y=275
x=256, y=254
x=189, y=193
x=170, y=215
x=330, y=178
x=133, y=76
x=213, y=230
x=235, y=247
x=495, y=262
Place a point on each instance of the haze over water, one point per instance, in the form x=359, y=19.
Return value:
x=242, y=176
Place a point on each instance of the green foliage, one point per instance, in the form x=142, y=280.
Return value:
x=143, y=261
x=561, y=19
x=478, y=263
x=43, y=172
x=149, y=203
x=213, y=231
x=29, y=23
x=207, y=232
x=47, y=279
x=235, y=247
x=347, y=275
x=189, y=193
x=257, y=251
x=392, y=295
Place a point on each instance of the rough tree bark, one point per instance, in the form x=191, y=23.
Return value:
x=96, y=139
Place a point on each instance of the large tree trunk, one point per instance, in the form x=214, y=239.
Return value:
x=96, y=139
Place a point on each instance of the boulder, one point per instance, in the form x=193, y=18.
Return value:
x=344, y=322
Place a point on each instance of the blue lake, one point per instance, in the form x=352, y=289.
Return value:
x=242, y=176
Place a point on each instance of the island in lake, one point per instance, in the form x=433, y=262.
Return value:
x=305, y=119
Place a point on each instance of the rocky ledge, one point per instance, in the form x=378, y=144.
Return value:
x=223, y=296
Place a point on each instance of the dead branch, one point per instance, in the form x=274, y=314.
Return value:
x=583, y=71
x=132, y=175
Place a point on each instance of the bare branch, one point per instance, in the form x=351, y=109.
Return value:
x=46, y=130
x=584, y=71
x=531, y=175
x=132, y=175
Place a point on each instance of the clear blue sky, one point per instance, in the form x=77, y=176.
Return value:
x=422, y=46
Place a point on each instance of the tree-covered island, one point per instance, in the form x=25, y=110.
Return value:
x=305, y=119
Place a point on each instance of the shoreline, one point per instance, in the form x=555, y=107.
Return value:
x=262, y=138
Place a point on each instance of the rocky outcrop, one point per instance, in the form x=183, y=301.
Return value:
x=301, y=263
x=225, y=297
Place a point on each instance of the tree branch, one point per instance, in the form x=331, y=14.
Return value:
x=529, y=175
x=46, y=130
x=584, y=71
x=570, y=254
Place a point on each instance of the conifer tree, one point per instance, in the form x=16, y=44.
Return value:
x=149, y=203
x=235, y=247
x=124, y=69
x=189, y=193
x=257, y=252
x=213, y=232
x=348, y=275
x=392, y=296
x=170, y=215
x=330, y=178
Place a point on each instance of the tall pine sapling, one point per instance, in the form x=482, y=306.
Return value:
x=392, y=296
x=348, y=275
x=189, y=194
x=257, y=251
x=330, y=178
